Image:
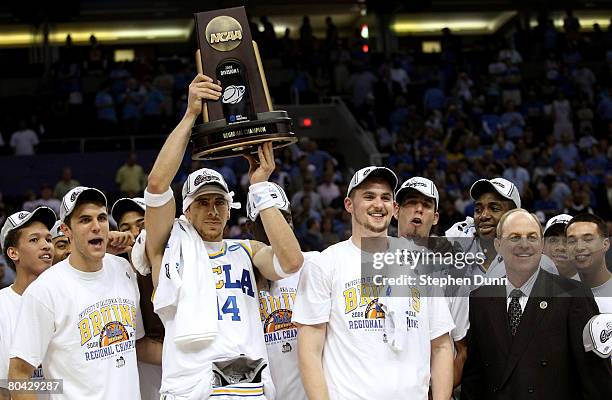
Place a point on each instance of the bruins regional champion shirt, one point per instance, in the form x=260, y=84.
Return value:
x=280, y=334
x=83, y=327
x=358, y=359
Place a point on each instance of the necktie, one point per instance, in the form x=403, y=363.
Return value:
x=514, y=311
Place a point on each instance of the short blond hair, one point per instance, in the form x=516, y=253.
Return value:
x=500, y=225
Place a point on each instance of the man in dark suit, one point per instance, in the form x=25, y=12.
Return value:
x=525, y=339
x=603, y=194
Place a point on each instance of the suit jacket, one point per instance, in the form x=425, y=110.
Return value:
x=604, y=208
x=546, y=358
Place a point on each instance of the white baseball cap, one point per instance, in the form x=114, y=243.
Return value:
x=126, y=204
x=20, y=218
x=561, y=219
x=504, y=187
x=371, y=172
x=56, y=231
x=423, y=185
x=596, y=333
x=70, y=200
x=204, y=181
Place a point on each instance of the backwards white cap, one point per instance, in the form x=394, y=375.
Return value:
x=206, y=180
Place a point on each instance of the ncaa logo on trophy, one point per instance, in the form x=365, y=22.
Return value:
x=243, y=118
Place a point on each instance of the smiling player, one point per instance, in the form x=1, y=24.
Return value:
x=80, y=319
x=26, y=243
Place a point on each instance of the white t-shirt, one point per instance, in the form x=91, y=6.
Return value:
x=459, y=307
x=185, y=372
x=83, y=327
x=10, y=302
x=23, y=142
x=9, y=307
x=358, y=359
x=603, y=296
x=280, y=335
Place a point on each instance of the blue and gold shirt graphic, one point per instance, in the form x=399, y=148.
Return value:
x=275, y=313
x=362, y=305
x=108, y=328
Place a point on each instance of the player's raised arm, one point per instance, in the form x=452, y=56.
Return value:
x=161, y=208
x=283, y=257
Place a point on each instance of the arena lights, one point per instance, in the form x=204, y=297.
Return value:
x=364, y=32
x=431, y=46
x=428, y=24
x=586, y=24
x=114, y=32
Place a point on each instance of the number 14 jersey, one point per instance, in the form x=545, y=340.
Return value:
x=238, y=323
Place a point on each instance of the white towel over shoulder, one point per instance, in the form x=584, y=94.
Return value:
x=186, y=289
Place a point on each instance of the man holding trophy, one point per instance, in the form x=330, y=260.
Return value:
x=205, y=291
x=204, y=286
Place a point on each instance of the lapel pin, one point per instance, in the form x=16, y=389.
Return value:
x=543, y=305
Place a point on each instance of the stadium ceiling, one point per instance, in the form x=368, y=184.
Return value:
x=35, y=11
x=139, y=21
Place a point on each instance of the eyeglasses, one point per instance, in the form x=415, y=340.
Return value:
x=531, y=239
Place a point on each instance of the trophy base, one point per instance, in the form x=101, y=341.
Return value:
x=218, y=139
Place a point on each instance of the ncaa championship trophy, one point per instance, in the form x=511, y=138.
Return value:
x=243, y=118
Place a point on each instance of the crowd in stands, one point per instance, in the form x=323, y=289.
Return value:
x=534, y=107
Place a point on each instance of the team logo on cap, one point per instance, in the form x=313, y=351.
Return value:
x=205, y=177
x=606, y=333
x=75, y=194
x=499, y=184
x=415, y=184
x=22, y=215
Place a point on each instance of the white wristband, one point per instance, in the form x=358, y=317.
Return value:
x=158, y=200
x=278, y=268
x=264, y=195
